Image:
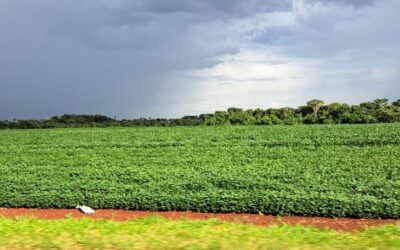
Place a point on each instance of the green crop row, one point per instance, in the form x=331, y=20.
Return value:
x=340, y=170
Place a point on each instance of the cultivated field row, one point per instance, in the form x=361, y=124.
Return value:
x=340, y=170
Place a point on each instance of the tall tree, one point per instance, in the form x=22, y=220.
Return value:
x=315, y=104
x=396, y=103
x=381, y=102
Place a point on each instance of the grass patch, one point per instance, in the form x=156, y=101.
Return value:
x=159, y=233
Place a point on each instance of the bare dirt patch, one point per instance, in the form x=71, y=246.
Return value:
x=341, y=224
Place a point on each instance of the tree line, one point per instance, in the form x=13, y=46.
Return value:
x=314, y=112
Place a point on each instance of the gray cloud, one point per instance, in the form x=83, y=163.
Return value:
x=354, y=3
x=124, y=58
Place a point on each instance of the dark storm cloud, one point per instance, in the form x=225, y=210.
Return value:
x=91, y=57
x=117, y=56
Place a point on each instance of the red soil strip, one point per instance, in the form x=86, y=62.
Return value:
x=341, y=224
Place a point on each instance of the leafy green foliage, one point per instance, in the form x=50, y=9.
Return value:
x=324, y=170
x=378, y=111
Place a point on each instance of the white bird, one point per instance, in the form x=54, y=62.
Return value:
x=85, y=209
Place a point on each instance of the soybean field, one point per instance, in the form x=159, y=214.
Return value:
x=311, y=170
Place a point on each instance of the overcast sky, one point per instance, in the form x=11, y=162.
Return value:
x=169, y=58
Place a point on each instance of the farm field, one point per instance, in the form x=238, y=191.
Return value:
x=329, y=170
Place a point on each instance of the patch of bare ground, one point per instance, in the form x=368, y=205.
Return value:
x=340, y=224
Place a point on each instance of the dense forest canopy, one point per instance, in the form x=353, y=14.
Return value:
x=314, y=112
